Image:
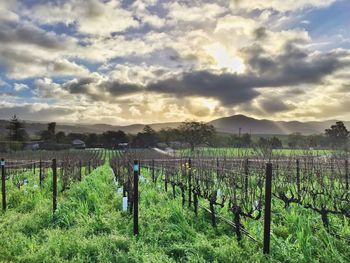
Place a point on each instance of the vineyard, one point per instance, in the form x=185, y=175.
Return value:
x=146, y=206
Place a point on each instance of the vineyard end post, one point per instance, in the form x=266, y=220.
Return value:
x=298, y=176
x=189, y=182
x=54, y=185
x=136, y=197
x=40, y=172
x=267, y=214
x=346, y=174
x=3, y=184
x=153, y=180
x=80, y=168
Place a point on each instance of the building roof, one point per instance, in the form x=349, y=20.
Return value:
x=77, y=141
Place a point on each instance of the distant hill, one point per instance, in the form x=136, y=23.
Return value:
x=224, y=125
x=233, y=123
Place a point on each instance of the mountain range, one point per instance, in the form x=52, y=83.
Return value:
x=231, y=125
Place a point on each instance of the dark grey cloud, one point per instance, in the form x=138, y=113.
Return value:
x=100, y=89
x=294, y=66
x=31, y=112
x=78, y=86
x=228, y=88
x=117, y=89
x=274, y=105
x=28, y=34
x=290, y=68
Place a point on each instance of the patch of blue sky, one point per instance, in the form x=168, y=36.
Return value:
x=328, y=26
x=60, y=28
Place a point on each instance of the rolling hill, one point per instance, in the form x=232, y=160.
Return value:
x=230, y=124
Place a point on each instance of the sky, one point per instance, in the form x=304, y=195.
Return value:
x=147, y=61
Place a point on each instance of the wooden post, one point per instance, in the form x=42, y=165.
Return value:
x=212, y=209
x=195, y=202
x=80, y=168
x=217, y=167
x=3, y=184
x=267, y=214
x=153, y=179
x=34, y=168
x=189, y=182
x=346, y=174
x=54, y=185
x=165, y=181
x=246, y=173
x=136, y=197
x=298, y=176
x=40, y=173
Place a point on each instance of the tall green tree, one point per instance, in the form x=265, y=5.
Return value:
x=146, y=138
x=296, y=140
x=51, y=128
x=16, y=130
x=196, y=133
x=60, y=137
x=338, y=134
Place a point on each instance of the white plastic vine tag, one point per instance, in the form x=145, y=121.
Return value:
x=2, y=163
x=125, y=204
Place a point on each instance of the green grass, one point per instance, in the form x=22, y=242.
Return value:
x=237, y=152
x=89, y=226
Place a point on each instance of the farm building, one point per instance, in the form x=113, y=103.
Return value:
x=78, y=144
x=123, y=145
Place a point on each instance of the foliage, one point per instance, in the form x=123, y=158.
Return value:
x=146, y=138
x=17, y=132
x=196, y=133
x=338, y=134
x=89, y=226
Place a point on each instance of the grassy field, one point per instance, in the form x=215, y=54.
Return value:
x=236, y=152
x=89, y=226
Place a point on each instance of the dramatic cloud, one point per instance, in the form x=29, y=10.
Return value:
x=89, y=16
x=157, y=60
x=286, y=5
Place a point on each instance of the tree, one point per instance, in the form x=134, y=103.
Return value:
x=60, y=137
x=275, y=143
x=265, y=147
x=167, y=135
x=92, y=140
x=296, y=140
x=316, y=140
x=246, y=140
x=146, y=138
x=196, y=133
x=113, y=138
x=338, y=135
x=16, y=129
x=51, y=128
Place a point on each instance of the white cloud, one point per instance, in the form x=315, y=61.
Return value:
x=90, y=16
x=283, y=6
x=20, y=86
x=194, y=13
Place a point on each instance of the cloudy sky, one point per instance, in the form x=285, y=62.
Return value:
x=143, y=61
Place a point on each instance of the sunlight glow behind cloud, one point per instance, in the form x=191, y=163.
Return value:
x=159, y=60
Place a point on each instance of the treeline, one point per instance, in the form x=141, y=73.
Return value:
x=189, y=134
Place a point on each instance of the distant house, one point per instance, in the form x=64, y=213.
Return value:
x=123, y=145
x=78, y=144
x=32, y=146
